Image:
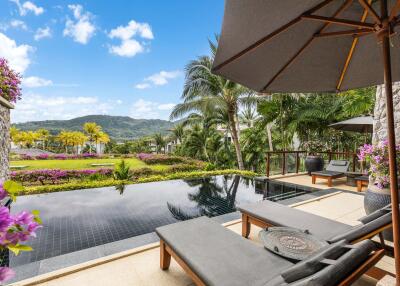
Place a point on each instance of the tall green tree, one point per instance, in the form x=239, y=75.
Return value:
x=204, y=90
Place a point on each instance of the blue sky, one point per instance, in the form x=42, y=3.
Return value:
x=119, y=57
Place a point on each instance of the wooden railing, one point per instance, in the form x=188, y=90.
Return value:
x=301, y=155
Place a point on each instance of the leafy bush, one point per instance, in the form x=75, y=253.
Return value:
x=121, y=171
x=183, y=168
x=111, y=182
x=56, y=176
x=153, y=159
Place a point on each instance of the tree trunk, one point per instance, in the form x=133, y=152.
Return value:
x=235, y=139
x=269, y=134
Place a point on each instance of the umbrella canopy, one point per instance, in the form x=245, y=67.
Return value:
x=316, y=46
x=287, y=46
x=362, y=124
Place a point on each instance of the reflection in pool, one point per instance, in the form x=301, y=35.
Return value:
x=81, y=219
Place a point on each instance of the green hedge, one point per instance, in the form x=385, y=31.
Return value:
x=110, y=182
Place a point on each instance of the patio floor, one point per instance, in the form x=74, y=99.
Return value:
x=141, y=266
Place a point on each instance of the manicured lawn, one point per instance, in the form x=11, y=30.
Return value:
x=80, y=164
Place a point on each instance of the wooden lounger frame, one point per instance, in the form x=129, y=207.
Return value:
x=166, y=252
x=327, y=177
x=361, y=184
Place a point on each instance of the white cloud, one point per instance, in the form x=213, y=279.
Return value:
x=81, y=29
x=34, y=81
x=42, y=33
x=160, y=78
x=130, y=46
x=18, y=24
x=150, y=109
x=142, y=85
x=167, y=106
x=28, y=6
x=17, y=55
x=38, y=107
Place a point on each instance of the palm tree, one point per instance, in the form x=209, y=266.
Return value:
x=66, y=139
x=160, y=142
x=205, y=91
x=248, y=116
x=92, y=131
x=43, y=135
x=78, y=139
x=178, y=131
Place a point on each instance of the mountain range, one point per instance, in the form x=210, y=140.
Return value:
x=117, y=127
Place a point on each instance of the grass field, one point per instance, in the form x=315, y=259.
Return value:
x=77, y=164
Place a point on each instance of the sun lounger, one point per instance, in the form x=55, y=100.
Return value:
x=266, y=213
x=213, y=255
x=336, y=169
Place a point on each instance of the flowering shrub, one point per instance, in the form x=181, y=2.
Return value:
x=153, y=159
x=56, y=176
x=9, y=82
x=378, y=158
x=60, y=156
x=15, y=229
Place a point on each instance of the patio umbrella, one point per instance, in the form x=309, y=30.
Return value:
x=315, y=46
x=362, y=124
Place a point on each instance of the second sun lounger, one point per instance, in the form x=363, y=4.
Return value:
x=336, y=169
x=266, y=213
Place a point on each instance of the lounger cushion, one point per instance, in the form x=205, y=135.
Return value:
x=279, y=215
x=333, y=274
x=328, y=174
x=363, y=229
x=338, y=166
x=328, y=267
x=376, y=214
x=220, y=256
x=313, y=264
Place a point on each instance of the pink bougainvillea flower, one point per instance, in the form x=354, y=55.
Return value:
x=6, y=274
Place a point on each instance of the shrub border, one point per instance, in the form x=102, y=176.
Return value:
x=111, y=182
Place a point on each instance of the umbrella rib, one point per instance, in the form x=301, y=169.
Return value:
x=371, y=10
x=394, y=11
x=345, y=33
x=292, y=59
x=270, y=36
x=351, y=52
x=339, y=21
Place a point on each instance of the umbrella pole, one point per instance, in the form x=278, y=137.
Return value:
x=391, y=140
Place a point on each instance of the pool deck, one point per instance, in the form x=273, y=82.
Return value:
x=140, y=266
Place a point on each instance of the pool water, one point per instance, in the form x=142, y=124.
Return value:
x=81, y=219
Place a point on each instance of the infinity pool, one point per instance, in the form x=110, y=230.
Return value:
x=81, y=219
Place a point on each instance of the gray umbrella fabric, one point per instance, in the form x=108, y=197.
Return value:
x=259, y=39
x=362, y=124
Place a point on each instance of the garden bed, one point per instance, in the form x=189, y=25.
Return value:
x=145, y=179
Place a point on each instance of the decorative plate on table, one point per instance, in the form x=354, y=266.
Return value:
x=291, y=242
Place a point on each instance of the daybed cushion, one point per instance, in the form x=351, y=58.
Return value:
x=338, y=166
x=280, y=215
x=219, y=256
x=328, y=267
x=327, y=173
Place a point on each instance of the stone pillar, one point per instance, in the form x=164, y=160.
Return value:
x=5, y=142
x=380, y=130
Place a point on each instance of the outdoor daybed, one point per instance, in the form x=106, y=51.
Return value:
x=266, y=213
x=336, y=169
x=213, y=255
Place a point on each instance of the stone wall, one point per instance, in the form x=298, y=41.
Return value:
x=380, y=130
x=4, y=141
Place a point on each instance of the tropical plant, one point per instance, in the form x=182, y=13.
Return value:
x=43, y=136
x=204, y=91
x=92, y=130
x=254, y=144
x=9, y=82
x=178, y=132
x=122, y=171
x=15, y=229
x=160, y=142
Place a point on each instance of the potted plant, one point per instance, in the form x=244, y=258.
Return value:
x=314, y=162
x=378, y=192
